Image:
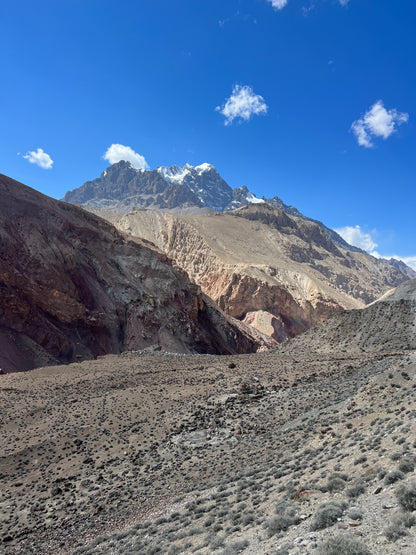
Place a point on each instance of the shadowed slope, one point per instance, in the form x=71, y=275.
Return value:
x=73, y=287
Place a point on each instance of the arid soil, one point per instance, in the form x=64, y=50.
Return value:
x=155, y=453
x=276, y=452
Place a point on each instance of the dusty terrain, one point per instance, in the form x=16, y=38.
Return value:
x=280, y=273
x=154, y=453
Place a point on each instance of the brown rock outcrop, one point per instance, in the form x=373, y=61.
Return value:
x=259, y=258
x=73, y=287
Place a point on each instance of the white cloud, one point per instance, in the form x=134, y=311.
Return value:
x=243, y=103
x=344, y=2
x=377, y=122
x=117, y=152
x=278, y=4
x=358, y=238
x=40, y=158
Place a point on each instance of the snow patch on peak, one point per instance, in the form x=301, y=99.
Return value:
x=204, y=168
x=174, y=174
x=252, y=199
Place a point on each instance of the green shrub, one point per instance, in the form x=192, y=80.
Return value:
x=336, y=482
x=327, y=514
x=343, y=545
x=279, y=523
x=355, y=514
x=286, y=517
x=406, y=496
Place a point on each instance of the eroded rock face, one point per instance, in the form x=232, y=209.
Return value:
x=73, y=287
x=259, y=258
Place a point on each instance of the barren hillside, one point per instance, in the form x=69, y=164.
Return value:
x=280, y=273
x=73, y=287
x=285, y=452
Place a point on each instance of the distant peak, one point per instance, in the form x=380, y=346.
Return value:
x=176, y=174
x=124, y=164
x=204, y=168
x=252, y=199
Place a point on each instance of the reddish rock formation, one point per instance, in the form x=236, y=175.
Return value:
x=72, y=287
x=259, y=258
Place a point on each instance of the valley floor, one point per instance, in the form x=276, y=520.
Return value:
x=153, y=453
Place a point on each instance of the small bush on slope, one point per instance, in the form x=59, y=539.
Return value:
x=398, y=526
x=327, y=514
x=406, y=496
x=343, y=545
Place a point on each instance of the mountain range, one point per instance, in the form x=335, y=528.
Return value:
x=279, y=273
x=186, y=190
x=301, y=447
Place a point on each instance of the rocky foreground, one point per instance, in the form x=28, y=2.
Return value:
x=307, y=448
x=267, y=453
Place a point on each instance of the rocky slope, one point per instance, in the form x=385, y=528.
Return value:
x=277, y=272
x=404, y=268
x=388, y=324
x=73, y=287
x=284, y=452
x=186, y=190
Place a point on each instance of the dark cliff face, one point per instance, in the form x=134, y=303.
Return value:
x=72, y=287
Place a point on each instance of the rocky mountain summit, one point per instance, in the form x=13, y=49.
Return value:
x=279, y=273
x=122, y=187
x=72, y=287
x=186, y=190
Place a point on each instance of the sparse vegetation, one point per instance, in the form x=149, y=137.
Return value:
x=336, y=482
x=407, y=463
x=355, y=514
x=398, y=526
x=406, y=496
x=343, y=545
x=357, y=489
x=327, y=514
x=393, y=476
x=268, y=469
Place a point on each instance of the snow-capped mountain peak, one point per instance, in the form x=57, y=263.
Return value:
x=177, y=175
x=252, y=199
x=204, y=168
x=174, y=174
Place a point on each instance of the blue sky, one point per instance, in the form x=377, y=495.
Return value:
x=327, y=87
